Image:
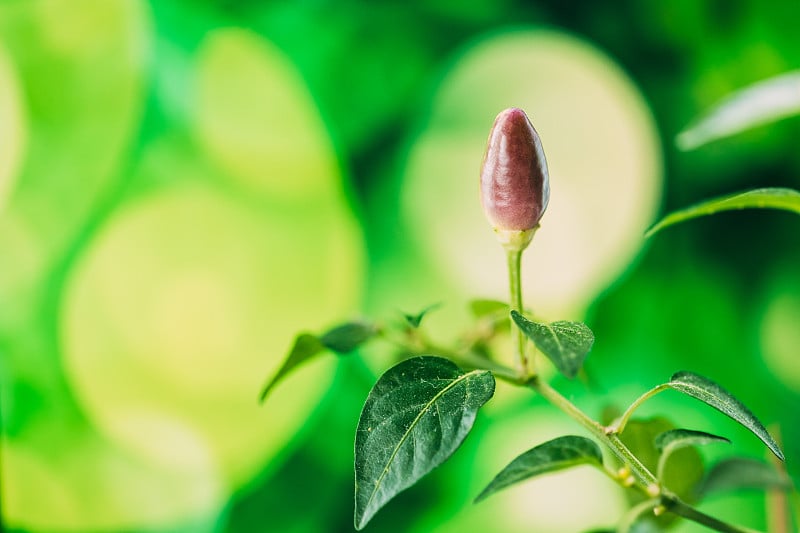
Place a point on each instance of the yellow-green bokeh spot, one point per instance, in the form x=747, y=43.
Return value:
x=780, y=335
x=257, y=121
x=13, y=127
x=90, y=485
x=602, y=151
x=182, y=305
x=80, y=68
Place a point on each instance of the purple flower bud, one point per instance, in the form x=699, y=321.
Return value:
x=515, y=187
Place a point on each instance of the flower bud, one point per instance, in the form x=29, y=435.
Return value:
x=515, y=187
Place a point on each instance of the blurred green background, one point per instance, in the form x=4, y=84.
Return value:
x=185, y=185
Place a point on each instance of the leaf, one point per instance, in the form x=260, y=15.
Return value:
x=564, y=343
x=347, y=337
x=761, y=103
x=675, y=439
x=483, y=308
x=415, y=417
x=415, y=320
x=554, y=455
x=686, y=464
x=767, y=198
x=742, y=473
x=305, y=347
x=672, y=440
x=342, y=339
x=712, y=394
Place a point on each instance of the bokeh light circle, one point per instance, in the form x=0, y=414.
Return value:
x=13, y=127
x=603, y=155
x=182, y=307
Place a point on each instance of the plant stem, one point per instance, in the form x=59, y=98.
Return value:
x=619, y=425
x=514, y=258
x=676, y=506
x=647, y=481
x=633, y=514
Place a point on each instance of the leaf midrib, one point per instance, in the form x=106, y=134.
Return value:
x=409, y=430
x=555, y=338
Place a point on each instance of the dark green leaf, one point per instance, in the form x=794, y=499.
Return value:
x=712, y=394
x=415, y=417
x=686, y=464
x=770, y=198
x=305, y=347
x=675, y=439
x=564, y=343
x=760, y=103
x=415, y=320
x=483, y=308
x=347, y=337
x=741, y=473
x=551, y=456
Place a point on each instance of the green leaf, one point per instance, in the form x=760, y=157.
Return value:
x=712, y=394
x=415, y=320
x=483, y=308
x=551, y=456
x=742, y=473
x=305, y=347
x=760, y=103
x=347, y=337
x=675, y=439
x=768, y=198
x=564, y=343
x=686, y=464
x=415, y=417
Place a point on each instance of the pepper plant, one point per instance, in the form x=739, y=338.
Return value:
x=421, y=409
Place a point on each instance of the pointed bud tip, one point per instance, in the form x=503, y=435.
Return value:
x=515, y=185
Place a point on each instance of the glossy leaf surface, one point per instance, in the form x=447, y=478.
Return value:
x=761, y=103
x=767, y=198
x=551, y=456
x=564, y=343
x=415, y=417
x=714, y=395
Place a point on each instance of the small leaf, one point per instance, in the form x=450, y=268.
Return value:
x=415, y=320
x=564, y=343
x=675, y=439
x=768, y=198
x=672, y=440
x=742, y=473
x=347, y=337
x=305, y=347
x=712, y=394
x=551, y=456
x=760, y=103
x=686, y=464
x=415, y=417
x=483, y=308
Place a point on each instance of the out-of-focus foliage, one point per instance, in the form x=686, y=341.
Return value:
x=186, y=185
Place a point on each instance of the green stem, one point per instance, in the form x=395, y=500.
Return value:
x=646, y=480
x=620, y=424
x=514, y=258
x=633, y=514
x=676, y=506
